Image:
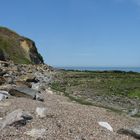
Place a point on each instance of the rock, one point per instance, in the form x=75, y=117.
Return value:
x=133, y=112
x=135, y=131
x=23, y=84
x=16, y=118
x=4, y=92
x=7, y=87
x=49, y=91
x=4, y=64
x=43, y=77
x=26, y=93
x=23, y=92
x=6, y=75
x=37, y=133
x=41, y=112
x=9, y=80
x=36, y=86
x=28, y=78
x=2, y=73
x=106, y=125
x=4, y=95
x=9, y=77
x=2, y=80
x=59, y=124
x=39, y=98
x=39, y=86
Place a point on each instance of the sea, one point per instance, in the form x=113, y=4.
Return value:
x=127, y=69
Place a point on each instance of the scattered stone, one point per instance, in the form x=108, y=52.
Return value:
x=36, y=86
x=2, y=73
x=26, y=93
x=28, y=78
x=38, y=97
x=39, y=86
x=2, y=80
x=59, y=124
x=33, y=79
x=4, y=64
x=9, y=80
x=16, y=118
x=106, y=125
x=23, y=84
x=41, y=112
x=37, y=133
x=133, y=112
x=4, y=95
x=7, y=87
x=70, y=131
x=23, y=92
x=49, y=91
x=135, y=131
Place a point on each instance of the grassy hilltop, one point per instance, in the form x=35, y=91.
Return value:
x=17, y=48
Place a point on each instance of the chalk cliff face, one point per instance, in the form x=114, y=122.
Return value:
x=17, y=48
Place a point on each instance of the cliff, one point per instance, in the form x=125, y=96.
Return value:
x=19, y=49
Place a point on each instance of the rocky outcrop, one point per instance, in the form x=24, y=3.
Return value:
x=17, y=48
x=21, y=80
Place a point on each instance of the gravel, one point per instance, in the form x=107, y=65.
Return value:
x=65, y=120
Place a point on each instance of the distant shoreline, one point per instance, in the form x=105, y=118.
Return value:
x=126, y=69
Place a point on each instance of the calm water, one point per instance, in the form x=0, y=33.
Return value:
x=134, y=69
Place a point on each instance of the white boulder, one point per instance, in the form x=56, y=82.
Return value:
x=3, y=95
x=106, y=125
x=41, y=112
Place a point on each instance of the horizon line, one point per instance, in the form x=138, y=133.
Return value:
x=96, y=66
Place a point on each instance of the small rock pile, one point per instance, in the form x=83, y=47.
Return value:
x=22, y=80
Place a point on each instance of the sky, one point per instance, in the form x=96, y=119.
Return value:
x=78, y=32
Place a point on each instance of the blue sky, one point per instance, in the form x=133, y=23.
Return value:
x=78, y=32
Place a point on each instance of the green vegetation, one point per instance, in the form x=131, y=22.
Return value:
x=134, y=94
x=11, y=49
x=106, y=89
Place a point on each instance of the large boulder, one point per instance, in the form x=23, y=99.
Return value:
x=25, y=92
x=16, y=118
x=134, y=131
